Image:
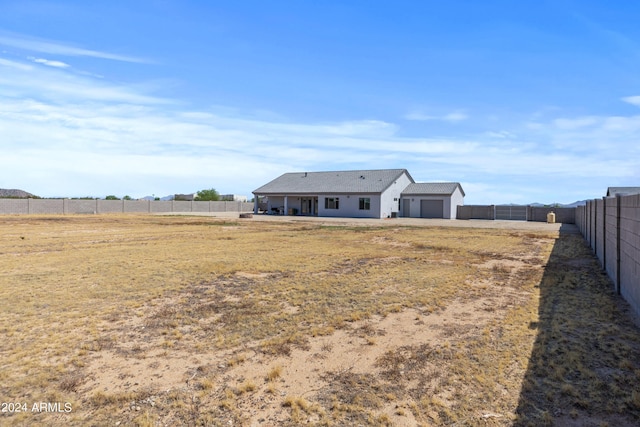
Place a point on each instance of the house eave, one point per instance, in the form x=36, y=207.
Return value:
x=312, y=193
x=427, y=194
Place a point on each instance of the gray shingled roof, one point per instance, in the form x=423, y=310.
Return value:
x=612, y=191
x=446, y=188
x=358, y=181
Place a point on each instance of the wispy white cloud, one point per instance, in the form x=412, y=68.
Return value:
x=622, y=124
x=502, y=134
x=607, y=129
x=634, y=100
x=50, y=63
x=15, y=65
x=452, y=117
x=57, y=84
x=455, y=117
x=53, y=47
x=576, y=123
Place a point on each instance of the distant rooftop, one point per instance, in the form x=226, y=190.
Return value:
x=612, y=191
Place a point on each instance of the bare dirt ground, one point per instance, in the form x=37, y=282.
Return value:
x=171, y=320
x=387, y=222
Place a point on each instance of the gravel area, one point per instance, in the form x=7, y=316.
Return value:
x=395, y=222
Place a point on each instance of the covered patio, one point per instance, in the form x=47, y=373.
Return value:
x=306, y=205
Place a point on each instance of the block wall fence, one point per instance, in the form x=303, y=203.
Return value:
x=611, y=226
x=97, y=206
x=534, y=213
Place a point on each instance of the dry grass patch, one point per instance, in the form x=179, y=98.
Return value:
x=148, y=320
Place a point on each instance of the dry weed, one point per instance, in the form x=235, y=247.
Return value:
x=547, y=340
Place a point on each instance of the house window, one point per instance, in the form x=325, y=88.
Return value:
x=365, y=204
x=332, y=203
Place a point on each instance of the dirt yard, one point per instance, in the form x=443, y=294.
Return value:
x=183, y=320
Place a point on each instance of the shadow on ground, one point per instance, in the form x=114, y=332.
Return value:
x=584, y=369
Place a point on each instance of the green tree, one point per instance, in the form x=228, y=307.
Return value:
x=207, y=195
x=111, y=197
x=127, y=198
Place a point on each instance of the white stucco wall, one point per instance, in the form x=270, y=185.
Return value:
x=349, y=206
x=390, y=200
x=457, y=199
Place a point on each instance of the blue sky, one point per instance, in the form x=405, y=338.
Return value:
x=528, y=101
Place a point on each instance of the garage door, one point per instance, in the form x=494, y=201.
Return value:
x=431, y=208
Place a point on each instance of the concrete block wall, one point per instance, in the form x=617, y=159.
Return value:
x=161, y=206
x=237, y=206
x=109, y=206
x=475, y=212
x=563, y=215
x=200, y=207
x=538, y=214
x=14, y=206
x=582, y=220
x=80, y=206
x=181, y=206
x=218, y=208
x=46, y=206
x=98, y=206
x=599, y=230
x=611, y=226
x=592, y=219
x=588, y=223
x=630, y=250
x=135, y=206
x=579, y=217
x=611, y=257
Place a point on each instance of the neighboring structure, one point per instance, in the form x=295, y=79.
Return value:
x=185, y=197
x=233, y=198
x=432, y=200
x=355, y=194
x=623, y=191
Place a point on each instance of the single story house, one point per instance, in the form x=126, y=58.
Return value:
x=432, y=200
x=355, y=194
x=623, y=191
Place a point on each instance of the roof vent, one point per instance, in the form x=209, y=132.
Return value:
x=305, y=174
x=361, y=176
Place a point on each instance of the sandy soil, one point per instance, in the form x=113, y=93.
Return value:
x=325, y=366
x=305, y=373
